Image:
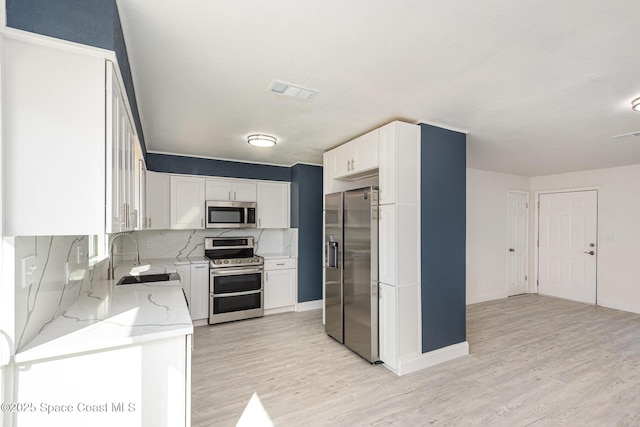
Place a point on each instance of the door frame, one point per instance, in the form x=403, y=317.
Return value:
x=528, y=288
x=599, y=192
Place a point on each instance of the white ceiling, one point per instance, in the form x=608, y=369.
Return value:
x=541, y=86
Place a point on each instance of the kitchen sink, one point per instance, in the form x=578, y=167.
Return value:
x=146, y=278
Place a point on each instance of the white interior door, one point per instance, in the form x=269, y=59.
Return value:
x=568, y=247
x=517, y=242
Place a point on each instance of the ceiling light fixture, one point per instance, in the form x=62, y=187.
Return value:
x=261, y=140
x=635, y=104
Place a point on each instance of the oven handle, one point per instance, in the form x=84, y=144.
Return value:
x=228, y=294
x=227, y=272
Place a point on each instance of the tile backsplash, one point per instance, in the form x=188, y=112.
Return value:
x=60, y=277
x=190, y=243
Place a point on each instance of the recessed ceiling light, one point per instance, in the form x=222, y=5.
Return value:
x=261, y=140
x=278, y=87
x=635, y=104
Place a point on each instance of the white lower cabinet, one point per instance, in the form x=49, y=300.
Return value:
x=199, y=304
x=280, y=284
x=146, y=384
x=387, y=316
x=184, y=271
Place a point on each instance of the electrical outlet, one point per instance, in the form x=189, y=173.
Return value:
x=149, y=244
x=29, y=270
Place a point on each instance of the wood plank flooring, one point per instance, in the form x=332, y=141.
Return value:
x=534, y=361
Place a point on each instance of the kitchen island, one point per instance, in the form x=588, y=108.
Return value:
x=121, y=355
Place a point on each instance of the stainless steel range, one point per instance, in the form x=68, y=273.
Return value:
x=236, y=283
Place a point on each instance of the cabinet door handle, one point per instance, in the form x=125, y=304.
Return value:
x=201, y=222
x=234, y=196
x=149, y=222
x=267, y=276
x=230, y=196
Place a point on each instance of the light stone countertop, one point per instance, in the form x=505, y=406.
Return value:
x=110, y=316
x=269, y=255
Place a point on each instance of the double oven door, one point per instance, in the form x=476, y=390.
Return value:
x=235, y=293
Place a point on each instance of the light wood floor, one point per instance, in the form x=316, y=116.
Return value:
x=534, y=361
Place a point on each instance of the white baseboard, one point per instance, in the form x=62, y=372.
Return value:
x=278, y=310
x=309, y=305
x=619, y=306
x=486, y=297
x=432, y=358
x=201, y=322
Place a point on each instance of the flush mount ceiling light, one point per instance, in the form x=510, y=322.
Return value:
x=635, y=104
x=261, y=140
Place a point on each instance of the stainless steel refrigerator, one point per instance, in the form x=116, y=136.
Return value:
x=351, y=269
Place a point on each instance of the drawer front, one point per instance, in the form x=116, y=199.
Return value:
x=279, y=264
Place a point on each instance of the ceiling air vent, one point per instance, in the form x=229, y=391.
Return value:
x=292, y=91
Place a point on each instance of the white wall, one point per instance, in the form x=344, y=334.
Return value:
x=619, y=230
x=487, y=232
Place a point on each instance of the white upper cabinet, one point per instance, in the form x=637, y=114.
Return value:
x=366, y=151
x=120, y=152
x=273, y=208
x=228, y=189
x=158, y=201
x=66, y=127
x=187, y=202
x=399, y=170
x=356, y=158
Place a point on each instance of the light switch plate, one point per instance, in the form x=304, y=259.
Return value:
x=29, y=270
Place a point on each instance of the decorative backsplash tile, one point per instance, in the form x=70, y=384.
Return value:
x=190, y=243
x=60, y=277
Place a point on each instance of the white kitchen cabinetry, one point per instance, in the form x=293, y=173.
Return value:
x=184, y=271
x=158, y=201
x=399, y=173
x=280, y=285
x=228, y=189
x=129, y=383
x=394, y=165
x=187, y=202
x=387, y=315
x=142, y=220
x=387, y=244
x=199, y=303
x=60, y=145
x=120, y=152
x=356, y=158
x=273, y=209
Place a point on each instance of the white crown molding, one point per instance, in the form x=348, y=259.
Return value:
x=47, y=41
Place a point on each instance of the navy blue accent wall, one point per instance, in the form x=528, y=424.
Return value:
x=443, y=237
x=211, y=167
x=120, y=47
x=90, y=22
x=306, y=216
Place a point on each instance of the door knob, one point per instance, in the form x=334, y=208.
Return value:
x=590, y=253
x=511, y=250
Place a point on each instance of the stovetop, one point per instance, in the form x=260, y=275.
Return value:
x=231, y=252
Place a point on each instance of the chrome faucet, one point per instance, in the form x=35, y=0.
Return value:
x=136, y=259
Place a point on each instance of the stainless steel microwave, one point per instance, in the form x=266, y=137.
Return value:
x=226, y=214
